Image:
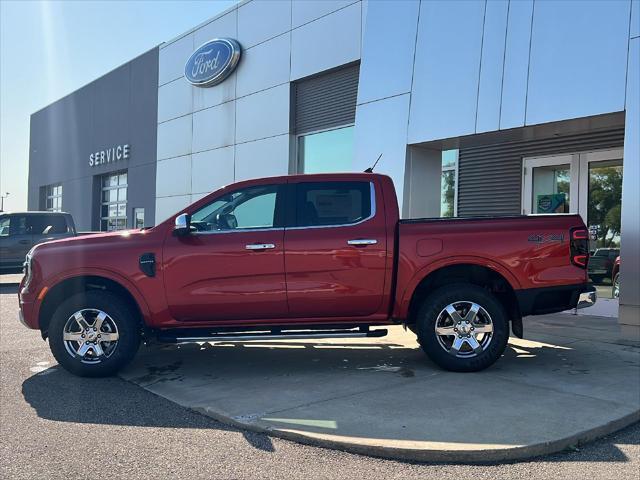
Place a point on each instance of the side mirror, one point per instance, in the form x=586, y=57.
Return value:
x=182, y=225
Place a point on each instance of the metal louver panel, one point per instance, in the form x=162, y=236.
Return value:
x=326, y=101
x=490, y=177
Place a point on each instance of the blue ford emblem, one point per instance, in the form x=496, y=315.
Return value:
x=212, y=62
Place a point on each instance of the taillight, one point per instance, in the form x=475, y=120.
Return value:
x=579, y=247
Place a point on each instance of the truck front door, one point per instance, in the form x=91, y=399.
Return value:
x=232, y=266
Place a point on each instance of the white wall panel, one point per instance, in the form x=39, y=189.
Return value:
x=328, y=42
x=174, y=138
x=167, y=207
x=212, y=96
x=578, y=59
x=262, y=158
x=263, y=114
x=516, y=64
x=259, y=21
x=174, y=100
x=491, y=68
x=630, y=235
x=447, y=65
x=225, y=26
x=172, y=59
x=389, y=42
x=212, y=169
x=381, y=128
x=309, y=10
x=173, y=176
x=214, y=127
x=264, y=66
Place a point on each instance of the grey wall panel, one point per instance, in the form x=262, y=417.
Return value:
x=309, y=10
x=259, y=21
x=578, y=59
x=119, y=108
x=516, y=64
x=635, y=19
x=491, y=67
x=630, y=236
x=447, y=65
x=326, y=101
x=490, y=177
x=386, y=67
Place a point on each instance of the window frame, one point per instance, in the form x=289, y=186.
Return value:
x=50, y=195
x=280, y=213
x=292, y=214
x=116, y=187
x=299, y=164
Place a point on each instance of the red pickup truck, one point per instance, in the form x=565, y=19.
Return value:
x=304, y=256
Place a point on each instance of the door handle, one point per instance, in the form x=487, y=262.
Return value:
x=259, y=246
x=361, y=242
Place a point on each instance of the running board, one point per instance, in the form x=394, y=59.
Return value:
x=166, y=337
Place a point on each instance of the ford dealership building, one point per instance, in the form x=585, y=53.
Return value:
x=477, y=108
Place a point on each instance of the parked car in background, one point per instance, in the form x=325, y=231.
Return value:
x=304, y=256
x=615, y=278
x=601, y=264
x=19, y=231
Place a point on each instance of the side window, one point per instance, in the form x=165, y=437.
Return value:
x=332, y=203
x=253, y=207
x=46, y=224
x=4, y=226
x=18, y=225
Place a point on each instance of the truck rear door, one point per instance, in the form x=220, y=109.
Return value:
x=335, y=252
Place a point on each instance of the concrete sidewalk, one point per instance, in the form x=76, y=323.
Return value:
x=573, y=379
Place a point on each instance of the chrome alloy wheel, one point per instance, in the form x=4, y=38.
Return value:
x=615, y=293
x=464, y=329
x=90, y=334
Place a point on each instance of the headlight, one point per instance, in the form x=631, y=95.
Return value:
x=28, y=271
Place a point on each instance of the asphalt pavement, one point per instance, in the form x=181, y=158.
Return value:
x=55, y=425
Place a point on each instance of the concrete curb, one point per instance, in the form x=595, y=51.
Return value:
x=472, y=455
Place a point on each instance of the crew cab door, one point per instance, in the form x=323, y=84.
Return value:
x=336, y=250
x=232, y=265
x=15, y=240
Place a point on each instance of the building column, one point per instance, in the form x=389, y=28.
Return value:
x=422, y=183
x=629, y=313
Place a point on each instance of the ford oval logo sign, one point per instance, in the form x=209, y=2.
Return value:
x=212, y=62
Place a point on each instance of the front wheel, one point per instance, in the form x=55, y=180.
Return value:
x=94, y=334
x=462, y=328
x=615, y=290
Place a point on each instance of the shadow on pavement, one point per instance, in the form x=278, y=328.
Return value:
x=59, y=396
x=8, y=288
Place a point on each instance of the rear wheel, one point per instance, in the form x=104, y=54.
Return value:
x=615, y=290
x=94, y=334
x=462, y=328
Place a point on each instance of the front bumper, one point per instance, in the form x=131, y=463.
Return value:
x=587, y=298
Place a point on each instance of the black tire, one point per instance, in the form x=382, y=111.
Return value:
x=597, y=279
x=432, y=307
x=615, y=286
x=120, y=313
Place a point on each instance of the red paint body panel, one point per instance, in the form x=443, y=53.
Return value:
x=312, y=276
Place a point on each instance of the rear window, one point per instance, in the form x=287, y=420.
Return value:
x=332, y=203
x=47, y=224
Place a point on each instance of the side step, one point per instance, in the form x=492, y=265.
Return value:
x=176, y=337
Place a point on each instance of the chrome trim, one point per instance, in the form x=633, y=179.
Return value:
x=239, y=230
x=259, y=246
x=587, y=299
x=362, y=241
x=373, y=214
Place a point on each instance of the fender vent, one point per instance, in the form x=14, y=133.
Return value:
x=147, y=264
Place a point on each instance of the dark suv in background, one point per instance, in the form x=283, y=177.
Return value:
x=601, y=264
x=22, y=230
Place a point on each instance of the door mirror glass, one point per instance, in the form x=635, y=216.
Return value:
x=182, y=225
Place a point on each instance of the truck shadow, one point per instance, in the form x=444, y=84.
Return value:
x=238, y=377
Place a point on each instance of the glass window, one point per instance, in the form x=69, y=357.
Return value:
x=551, y=189
x=53, y=198
x=138, y=217
x=114, y=202
x=448, y=183
x=47, y=224
x=17, y=225
x=332, y=203
x=253, y=207
x=4, y=226
x=326, y=152
x=605, y=202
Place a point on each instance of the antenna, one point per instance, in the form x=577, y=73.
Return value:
x=370, y=169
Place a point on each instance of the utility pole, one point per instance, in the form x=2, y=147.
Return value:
x=2, y=197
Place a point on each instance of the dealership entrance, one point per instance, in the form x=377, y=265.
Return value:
x=588, y=183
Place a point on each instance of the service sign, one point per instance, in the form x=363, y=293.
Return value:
x=212, y=62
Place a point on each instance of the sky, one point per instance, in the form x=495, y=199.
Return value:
x=49, y=49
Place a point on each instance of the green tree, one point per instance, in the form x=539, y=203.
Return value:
x=605, y=194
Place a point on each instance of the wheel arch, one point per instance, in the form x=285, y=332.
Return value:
x=72, y=285
x=497, y=282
